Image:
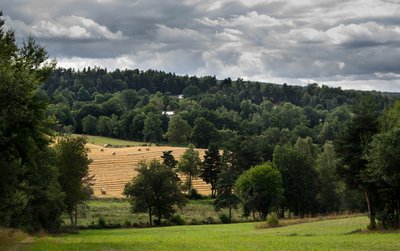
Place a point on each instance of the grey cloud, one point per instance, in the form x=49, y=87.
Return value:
x=336, y=42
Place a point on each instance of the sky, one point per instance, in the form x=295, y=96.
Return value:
x=352, y=44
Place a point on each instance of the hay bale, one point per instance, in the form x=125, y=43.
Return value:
x=139, y=149
x=147, y=148
x=106, y=145
x=113, y=153
x=101, y=149
x=103, y=191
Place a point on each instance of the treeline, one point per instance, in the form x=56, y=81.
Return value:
x=132, y=104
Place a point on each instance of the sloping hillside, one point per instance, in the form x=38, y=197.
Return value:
x=114, y=167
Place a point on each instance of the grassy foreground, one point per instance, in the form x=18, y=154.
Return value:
x=324, y=235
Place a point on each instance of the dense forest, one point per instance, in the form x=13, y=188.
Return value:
x=301, y=130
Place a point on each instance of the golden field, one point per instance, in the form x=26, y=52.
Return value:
x=114, y=167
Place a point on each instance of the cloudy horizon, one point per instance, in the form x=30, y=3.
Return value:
x=351, y=44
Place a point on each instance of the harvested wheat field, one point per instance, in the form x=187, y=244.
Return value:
x=114, y=167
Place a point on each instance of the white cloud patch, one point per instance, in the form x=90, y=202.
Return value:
x=251, y=19
x=370, y=32
x=74, y=27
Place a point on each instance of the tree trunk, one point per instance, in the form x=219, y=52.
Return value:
x=190, y=184
x=398, y=212
x=230, y=212
x=76, y=215
x=71, y=217
x=282, y=212
x=372, y=224
x=150, y=217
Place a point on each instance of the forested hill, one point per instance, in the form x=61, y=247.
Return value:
x=130, y=104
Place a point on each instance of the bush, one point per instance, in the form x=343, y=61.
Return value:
x=176, y=219
x=210, y=220
x=272, y=221
x=127, y=223
x=195, y=195
x=224, y=218
x=102, y=222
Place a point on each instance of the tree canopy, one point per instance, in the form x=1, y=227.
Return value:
x=154, y=190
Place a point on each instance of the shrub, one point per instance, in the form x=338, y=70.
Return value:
x=272, y=220
x=102, y=222
x=194, y=195
x=176, y=219
x=224, y=218
x=127, y=223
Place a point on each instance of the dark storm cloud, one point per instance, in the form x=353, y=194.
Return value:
x=355, y=44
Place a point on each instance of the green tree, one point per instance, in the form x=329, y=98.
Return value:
x=226, y=182
x=211, y=167
x=73, y=164
x=152, y=130
x=299, y=180
x=351, y=147
x=89, y=125
x=383, y=167
x=30, y=196
x=190, y=164
x=260, y=189
x=204, y=132
x=169, y=159
x=329, y=194
x=154, y=190
x=178, y=130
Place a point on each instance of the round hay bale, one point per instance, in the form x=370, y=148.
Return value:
x=113, y=153
x=103, y=191
x=147, y=148
x=101, y=149
x=139, y=149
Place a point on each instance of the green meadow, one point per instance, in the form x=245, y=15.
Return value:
x=339, y=234
x=100, y=140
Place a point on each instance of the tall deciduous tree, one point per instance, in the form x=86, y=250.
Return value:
x=30, y=196
x=352, y=146
x=178, y=130
x=211, y=167
x=299, y=180
x=260, y=189
x=189, y=164
x=226, y=182
x=204, y=132
x=383, y=167
x=329, y=184
x=152, y=130
x=155, y=190
x=73, y=163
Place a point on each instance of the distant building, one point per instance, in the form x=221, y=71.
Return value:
x=169, y=113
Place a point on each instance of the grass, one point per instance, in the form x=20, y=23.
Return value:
x=99, y=140
x=117, y=211
x=294, y=221
x=11, y=238
x=322, y=235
